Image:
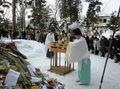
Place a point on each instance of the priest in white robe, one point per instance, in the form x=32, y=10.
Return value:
x=77, y=51
x=49, y=38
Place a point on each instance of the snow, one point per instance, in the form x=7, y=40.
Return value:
x=37, y=57
x=74, y=25
x=110, y=32
x=107, y=33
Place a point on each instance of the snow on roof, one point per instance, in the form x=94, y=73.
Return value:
x=110, y=32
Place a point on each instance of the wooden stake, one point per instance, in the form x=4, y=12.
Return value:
x=109, y=49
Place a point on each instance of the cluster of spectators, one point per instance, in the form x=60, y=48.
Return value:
x=100, y=46
x=28, y=34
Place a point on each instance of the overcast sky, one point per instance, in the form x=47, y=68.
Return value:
x=107, y=7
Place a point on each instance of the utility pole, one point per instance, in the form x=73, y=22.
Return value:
x=13, y=18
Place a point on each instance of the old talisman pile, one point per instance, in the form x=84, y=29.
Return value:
x=12, y=59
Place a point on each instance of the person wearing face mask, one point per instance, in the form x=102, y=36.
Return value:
x=49, y=39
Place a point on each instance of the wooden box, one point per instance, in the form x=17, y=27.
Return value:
x=56, y=62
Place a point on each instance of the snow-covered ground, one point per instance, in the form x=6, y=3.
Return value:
x=37, y=57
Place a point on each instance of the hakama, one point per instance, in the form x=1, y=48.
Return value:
x=85, y=74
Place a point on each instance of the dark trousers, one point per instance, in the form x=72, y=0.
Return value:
x=103, y=51
x=49, y=54
x=112, y=53
x=117, y=56
x=96, y=51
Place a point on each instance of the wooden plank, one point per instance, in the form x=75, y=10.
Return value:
x=59, y=69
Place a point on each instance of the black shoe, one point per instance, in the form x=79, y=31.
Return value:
x=111, y=57
x=116, y=61
x=102, y=56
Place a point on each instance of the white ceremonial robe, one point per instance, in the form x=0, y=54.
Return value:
x=77, y=51
x=49, y=38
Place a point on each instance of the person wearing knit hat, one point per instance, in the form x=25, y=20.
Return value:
x=77, y=51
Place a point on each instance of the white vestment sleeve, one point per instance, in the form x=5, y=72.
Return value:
x=49, y=38
x=77, y=51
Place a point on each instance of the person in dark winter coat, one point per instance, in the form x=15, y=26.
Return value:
x=91, y=44
x=87, y=40
x=112, y=46
x=117, y=48
x=103, y=45
x=41, y=38
x=0, y=33
x=23, y=34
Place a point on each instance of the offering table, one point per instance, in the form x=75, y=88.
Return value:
x=58, y=63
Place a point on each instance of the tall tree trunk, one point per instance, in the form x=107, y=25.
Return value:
x=13, y=18
x=23, y=15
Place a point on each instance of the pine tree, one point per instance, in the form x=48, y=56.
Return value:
x=92, y=15
x=70, y=9
x=112, y=21
x=40, y=14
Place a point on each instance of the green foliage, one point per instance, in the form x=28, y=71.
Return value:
x=4, y=23
x=39, y=14
x=20, y=22
x=112, y=19
x=92, y=15
x=70, y=9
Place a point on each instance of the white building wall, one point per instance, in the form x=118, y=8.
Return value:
x=102, y=24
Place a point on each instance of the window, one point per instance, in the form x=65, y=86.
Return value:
x=100, y=20
x=104, y=20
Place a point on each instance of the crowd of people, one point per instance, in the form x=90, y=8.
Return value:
x=97, y=44
x=101, y=45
